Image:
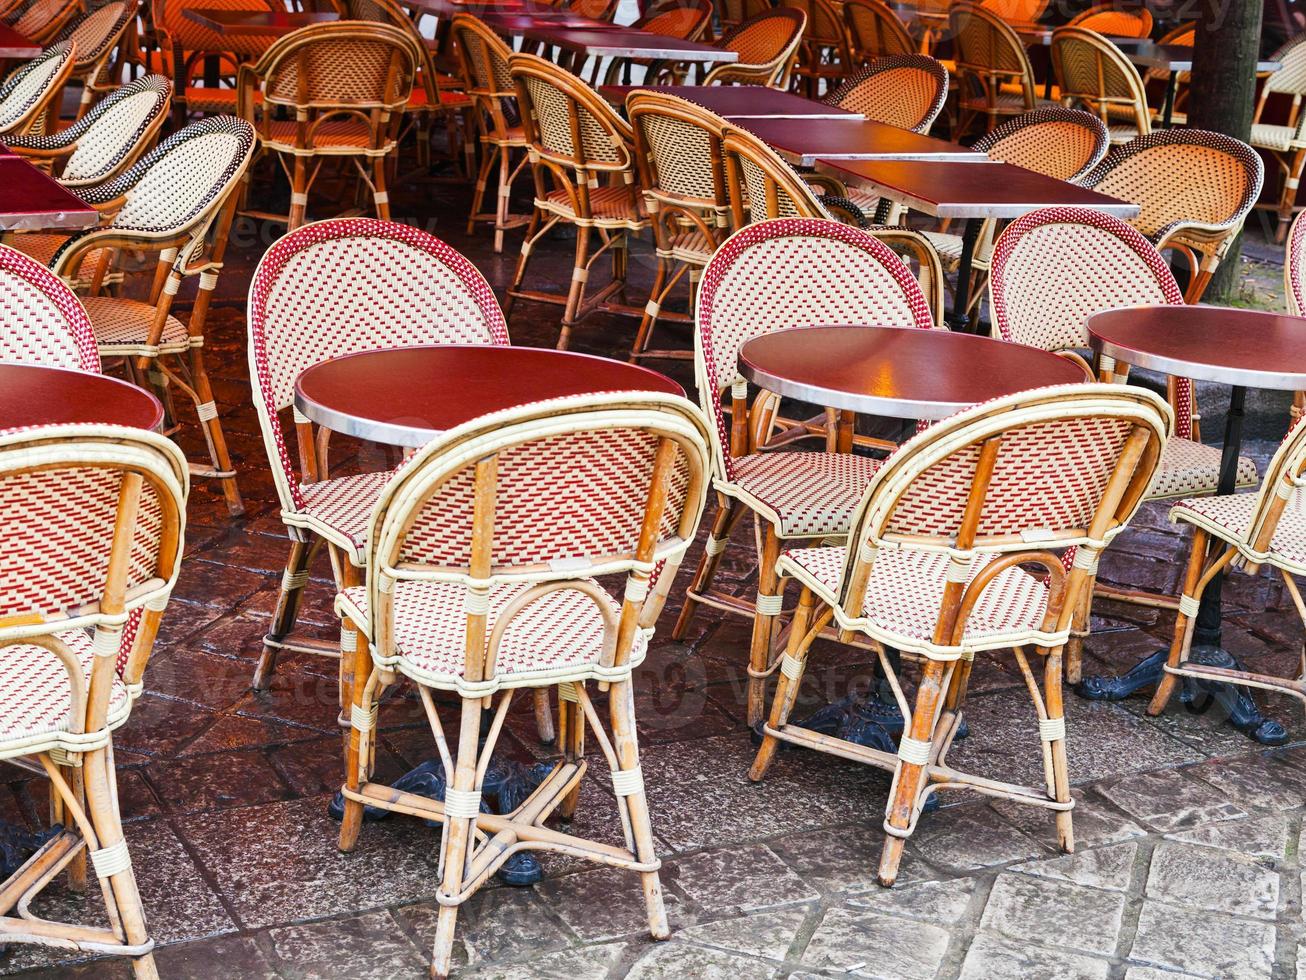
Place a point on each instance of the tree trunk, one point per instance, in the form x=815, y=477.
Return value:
x=1223, y=89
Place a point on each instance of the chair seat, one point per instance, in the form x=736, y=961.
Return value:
x=906, y=588
x=204, y=98
x=805, y=494
x=1004, y=102
x=1122, y=134
x=1230, y=517
x=36, y=699
x=557, y=638
x=948, y=246
x=1189, y=467
x=865, y=200
x=516, y=136
x=1266, y=137
x=41, y=246
x=690, y=245
x=122, y=328
x=448, y=100
x=339, y=509
x=335, y=136
x=612, y=207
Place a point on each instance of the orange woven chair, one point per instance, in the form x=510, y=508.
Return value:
x=823, y=56
x=732, y=13
x=1018, y=13
x=40, y=21
x=1113, y=21
x=874, y=31
x=994, y=77
x=1093, y=74
x=767, y=46
x=688, y=20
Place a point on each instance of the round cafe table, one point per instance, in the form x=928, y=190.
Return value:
x=405, y=396
x=1240, y=348
x=33, y=394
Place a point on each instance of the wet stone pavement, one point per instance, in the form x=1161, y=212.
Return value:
x=1189, y=834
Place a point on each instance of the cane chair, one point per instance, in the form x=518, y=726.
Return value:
x=582, y=158
x=994, y=77
x=41, y=320
x=767, y=46
x=1195, y=189
x=773, y=276
x=29, y=97
x=1185, y=35
x=1020, y=13
x=604, y=10
x=341, y=83
x=936, y=562
x=1113, y=21
x=1094, y=74
x=518, y=606
x=485, y=70
x=907, y=91
x=732, y=13
x=823, y=54
x=94, y=521
x=177, y=205
x=405, y=287
x=874, y=31
x=40, y=21
x=688, y=20
x=96, y=36
x=1294, y=282
x=1053, y=140
x=1285, y=145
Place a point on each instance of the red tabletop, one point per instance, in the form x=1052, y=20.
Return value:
x=265, y=22
x=1248, y=348
x=407, y=395
x=903, y=372
x=803, y=141
x=31, y=200
x=15, y=45
x=947, y=189
x=515, y=22
x=737, y=101
x=36, y=395
x=626, y=43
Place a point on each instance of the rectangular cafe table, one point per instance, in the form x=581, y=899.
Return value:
x=1172, y=58
x=738, y=101
x=803, y=141
x=32, y=200
x=617, y=42
x=15, y=45
x=266, y=23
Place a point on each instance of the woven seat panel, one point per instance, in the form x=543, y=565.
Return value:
x=812, y=493
x=1004, y=101
x=563, y=631
x=35, y=696
x=906, y=587
x=335, y=133
x=1273, y=137
x=344, y=505
x=1231, y=517
x=418, y=99
x=42, y=246
x=691, y=245
x=122, y=326
x=946, y=244
x=1189, y=467
x=614, y=204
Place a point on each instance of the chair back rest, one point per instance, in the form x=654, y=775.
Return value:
x=987, y=50
x=1094, y=72
x=41, y=321
x=567, y=122
x=875, y=31
x=1054, y=268
x=547, y=494
x=485, y=58
x=791, y=273
x=1057, y=467
x=761, y=185
x=687, y=21
x=1021, y=13
x=96, y=33
x=1282, y=490
x=193, y=36
x=824, y=22
x=42, y=19
x=681, y=156
x=906, y=90
x=30, y=87
x=604, y=10
x=116, y=131
x=347, y=285
x=390, y=12
x=1294, y=266
x=358, y=65
x=1291, y=76
x=766, y=46
x=1182, y=176
x=735, y=12
x=1113, y=21
x=1054, y=141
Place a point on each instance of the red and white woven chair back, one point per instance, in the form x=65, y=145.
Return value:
x=905, y=90
x=1058, y=448
x=348, y=285
x=30, y=85
x=792, y=272
x=1053, y=140
x=41, y=321
x=1294, y=267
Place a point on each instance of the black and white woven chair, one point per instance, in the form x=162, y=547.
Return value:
x=31, y=92
x=95, y=37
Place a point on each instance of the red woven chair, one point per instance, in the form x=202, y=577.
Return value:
x=770, y=276
x=93, y=517
x=1294, y=280
x=405, y=287
x=936, y=562
x=43, y=322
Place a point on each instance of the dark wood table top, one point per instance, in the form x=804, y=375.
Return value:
x=1209, y=343
x=1168, y=57
x=617, y=42
x=901, y=372
x=519, y=23
x=737, y=101
x=15, y=45
x=32, y=394
x=803, y=141
x=265, y=22
x=405, y=396
x=947, y=189
x=31, y=200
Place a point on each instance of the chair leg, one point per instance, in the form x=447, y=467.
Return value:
x=651, y=309
x=544, y=716
x=1081, y=623
x=1054, y=743
x=478, y=195
x=379, y=193
x=788, y=684
x=207, y=408
x=728, y=513
x=293, y=581
x=770, y=595
x=457, y=837
x=501, y=198
x=353, y=645
x=576, y=292
x=1183, y=624
x=571, y=737
x=298, y=194
x=527, y=245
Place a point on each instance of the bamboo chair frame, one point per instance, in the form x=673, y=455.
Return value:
x=1114, y=21
x=478, y=459
x=982, y=539
x=768, y=62
x=333, y=115
x=77, y=756
x=1286, y=145
x=36, y=105
x=875, y=31
x=97, y=35
x=583, y=163
x=823, y=54
x=990, y=61
x=1093, y=73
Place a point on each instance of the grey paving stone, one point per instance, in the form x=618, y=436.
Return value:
x=743, y=878
x=1217, y=880
x=239, y=956
x=1054, y=913
x=586, y=963
x=990, y=957
x=362, y=947
x=967, y=837
x=1265, y=837
x=944, y=902
x=871, y=945
x=1094, y=822
x=1168, y=800
x=844, y=861
x=1255, y=781
x=1149, y=973
x=1207, y=944
x=1109, y=867
x=605, y=903
x=767, y=934
x=494, y=924
x=675, y=961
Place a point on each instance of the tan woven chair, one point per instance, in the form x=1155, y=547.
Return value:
x=582, y=158
x=823, y=55
x=907, y=91
x=681, y=159
x=472, y=588
x=41, y=21
x=767, y=46
x=94, y=520
x=29, y=97
x=772, y=276
x=1113, y=21
x=874, y=31
x=994, y=77
x=935, y=565
x=176, y=205
x=1093, y=74
x=96, y=36
x=485, y=68
x=1195, y=189
x=732, y=13
x=1286, y=145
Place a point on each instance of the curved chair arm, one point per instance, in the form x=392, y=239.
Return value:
x=986, y=576
x=601, y=600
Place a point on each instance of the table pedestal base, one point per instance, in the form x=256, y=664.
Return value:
x=17, y=844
